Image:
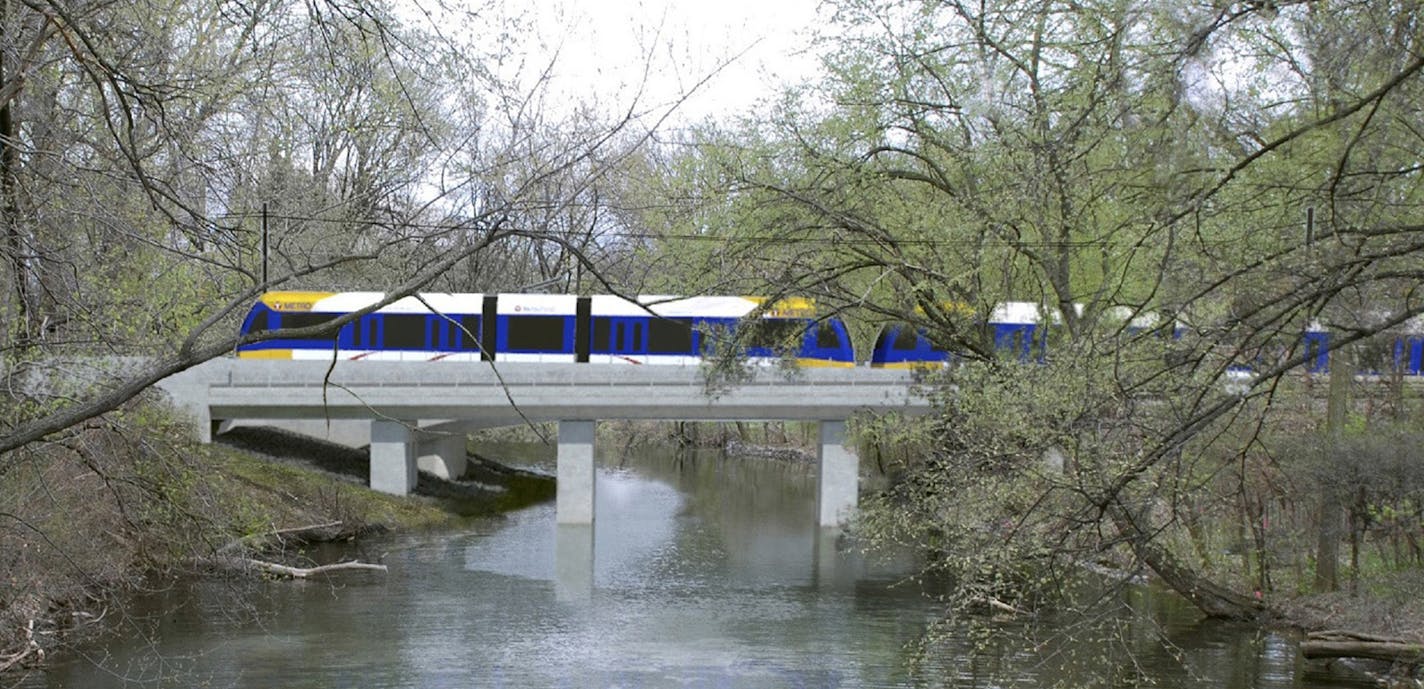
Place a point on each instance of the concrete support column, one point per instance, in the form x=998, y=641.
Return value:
x=443, y=455
x=392, y=457
x=838, y=481
x=205, y=427
x=575, y=473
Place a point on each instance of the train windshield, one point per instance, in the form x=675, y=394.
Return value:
x=288, y=321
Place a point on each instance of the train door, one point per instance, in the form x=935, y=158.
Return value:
x=365, y=335
x=630, y=338
x=465, y=336
x=1414, y=351
x=619, y=340
x=455, y=337
x=1317, y=351
x=827, y=343
x=1016, y=340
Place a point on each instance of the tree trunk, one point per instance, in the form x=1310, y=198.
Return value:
x=1327, y=543
x=15, y=245
x=1211, y=598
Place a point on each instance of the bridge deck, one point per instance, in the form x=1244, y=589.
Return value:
x=236, y=389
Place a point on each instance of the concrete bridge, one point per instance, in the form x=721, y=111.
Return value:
x=415, y=414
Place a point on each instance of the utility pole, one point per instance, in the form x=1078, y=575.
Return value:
x=264, y=244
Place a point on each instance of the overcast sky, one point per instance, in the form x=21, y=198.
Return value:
x=604, y=46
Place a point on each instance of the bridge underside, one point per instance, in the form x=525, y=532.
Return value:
x=838, y=474
x=398, y=453
x=400, y=450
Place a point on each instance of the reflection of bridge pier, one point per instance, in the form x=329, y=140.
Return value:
x=400, y=400
x=573, y=562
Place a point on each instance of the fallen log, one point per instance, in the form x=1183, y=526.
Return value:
x=304, y=572
x=1390, y=651
x=1348, y=635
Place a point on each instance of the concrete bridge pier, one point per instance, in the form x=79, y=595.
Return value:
x=393, y=454
x=442, y=454
x=575, y=474
x=838, y=477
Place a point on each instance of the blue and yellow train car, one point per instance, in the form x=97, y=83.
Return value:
x=546, y=328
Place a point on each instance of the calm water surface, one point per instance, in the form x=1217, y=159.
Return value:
x=700, y=572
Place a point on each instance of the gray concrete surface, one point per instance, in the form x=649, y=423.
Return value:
x=390, y=404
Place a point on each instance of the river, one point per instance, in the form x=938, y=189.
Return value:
x=700, y=572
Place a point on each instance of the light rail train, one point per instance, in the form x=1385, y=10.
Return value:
x=544, y=328
x=669, y=330
x=1019, y=331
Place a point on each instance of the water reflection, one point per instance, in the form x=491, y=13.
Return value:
x=573, y=562
x=698, y=572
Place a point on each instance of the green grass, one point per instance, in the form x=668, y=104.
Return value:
x=284, y=494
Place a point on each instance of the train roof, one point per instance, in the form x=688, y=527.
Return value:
x=344, y=302
x=1021, y=312
x=549, y=304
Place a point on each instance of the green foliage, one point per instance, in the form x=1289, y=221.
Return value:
x=1086, y=157
x=987, y=496
x=1377, y=472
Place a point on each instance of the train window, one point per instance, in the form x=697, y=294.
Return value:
x=441, y=332
x=307, y=320
x=602, y=333
x=906, y=339
x=405, y=331
x=669, y=336
x=361, y=332
x=468, y=335
x=536, y=333
x=259, y=322
x=827, y=337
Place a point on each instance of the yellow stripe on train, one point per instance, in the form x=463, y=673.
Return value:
x=823, y=363
x=294, y=301
x=265, y=354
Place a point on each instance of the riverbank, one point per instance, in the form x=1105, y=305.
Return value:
x=1384, y=615
x=127, y=503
